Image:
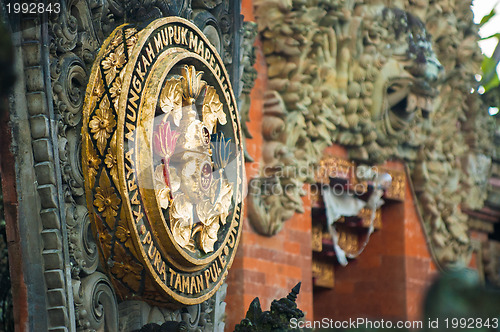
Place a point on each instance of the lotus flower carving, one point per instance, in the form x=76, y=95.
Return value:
x=192, y=83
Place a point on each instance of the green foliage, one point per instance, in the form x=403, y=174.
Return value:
x=485, y=19
x=489, y=65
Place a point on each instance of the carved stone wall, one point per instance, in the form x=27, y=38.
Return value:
x=385, y=79
x=54, y=54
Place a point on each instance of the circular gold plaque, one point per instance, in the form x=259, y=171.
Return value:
x=162, y=162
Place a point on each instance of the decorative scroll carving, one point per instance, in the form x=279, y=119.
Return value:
x=96, y=306
x=367, y=77
x=206, y=316
x=281, y=201
x=81, y=241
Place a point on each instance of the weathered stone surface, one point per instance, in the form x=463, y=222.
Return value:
x=371, y=78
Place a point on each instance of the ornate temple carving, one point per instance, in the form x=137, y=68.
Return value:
x=56, y=52
x=162, y=162
x=370, y=77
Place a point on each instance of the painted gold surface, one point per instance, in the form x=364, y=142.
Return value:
x=162, y=163
x=323, y=273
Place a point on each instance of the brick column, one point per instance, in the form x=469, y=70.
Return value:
x=268, y=267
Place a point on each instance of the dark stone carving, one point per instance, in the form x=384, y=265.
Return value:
x=95, y=301
x=278, y=319
x=165, y=327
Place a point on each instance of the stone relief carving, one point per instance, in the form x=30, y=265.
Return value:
x=58, y=51
x=207, y=316
x=367, y=76
x=248, y=77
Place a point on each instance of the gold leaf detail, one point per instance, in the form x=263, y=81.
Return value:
x=106, y=200
x=93, y=161
x=117, y=38
x=181, y=219
x=213, y=110
x=116, y=89
x=192, y=83
x=104, y=238
x=102, y=124
x=98, y=87
x=112, y=63
x=111, y=161
x=171, y=100
x=126, y=268
x=131, y=37
x=161, y=188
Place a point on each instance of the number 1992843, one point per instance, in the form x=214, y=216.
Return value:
x=471, y=323
x=32, y=8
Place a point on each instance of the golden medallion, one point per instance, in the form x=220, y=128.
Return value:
x=163, y=162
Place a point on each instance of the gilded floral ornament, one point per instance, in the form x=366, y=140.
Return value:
x=93, y=161
x=131, y=37
x=117, y=39
x=164, y=205
x=98, y=88
x=110, y=160
x=221, y=150
x=97, y=91
x=102, y=124
x=161, y=187
x=212, y=110
x=123, y=233
x=192, y=83
x=112, y=64
x=171, y=100
x=106, y=241
x=182, y=217
x=106, y=200
x=165, y=140
x=126, y=268
x=115, y=89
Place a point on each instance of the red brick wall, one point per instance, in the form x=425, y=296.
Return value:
x=268, y=267
x=420, y=268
